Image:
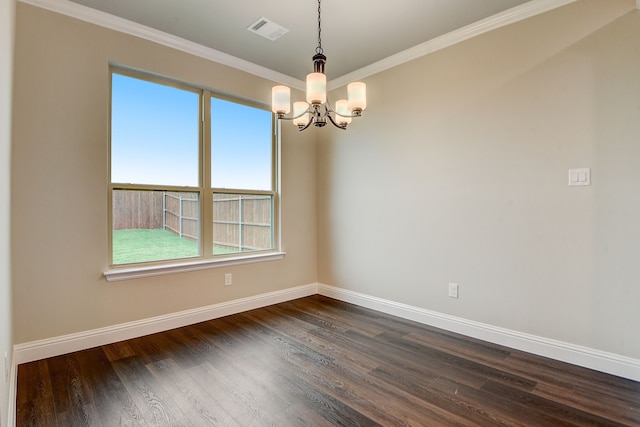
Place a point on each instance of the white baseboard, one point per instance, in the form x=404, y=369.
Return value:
x=582, y=356
x=610, y=363
x=42, y=349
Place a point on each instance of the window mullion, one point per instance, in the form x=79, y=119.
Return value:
x=205, y=175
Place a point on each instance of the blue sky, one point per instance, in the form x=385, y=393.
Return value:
x=241, y=146
x=154, y=138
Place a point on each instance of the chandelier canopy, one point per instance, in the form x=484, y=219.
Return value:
x=317, y=109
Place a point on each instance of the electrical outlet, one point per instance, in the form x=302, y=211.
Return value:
x=228, y=280
x=453, y=290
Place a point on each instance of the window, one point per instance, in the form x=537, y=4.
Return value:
x=192, y=175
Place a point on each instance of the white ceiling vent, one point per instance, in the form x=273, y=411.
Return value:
x=267, y=29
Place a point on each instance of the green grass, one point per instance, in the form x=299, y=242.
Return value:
x=142, y=245
x=218, y=250
x=139, y=245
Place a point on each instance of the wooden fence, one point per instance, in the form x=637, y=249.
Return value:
x=240, y=222
x=180, y=214
x=137, y=209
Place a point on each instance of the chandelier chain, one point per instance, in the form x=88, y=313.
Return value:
x=319, y=48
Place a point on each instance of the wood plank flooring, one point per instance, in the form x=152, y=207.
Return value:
x=316, y=362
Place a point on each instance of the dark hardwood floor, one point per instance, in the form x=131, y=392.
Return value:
x=317, y=362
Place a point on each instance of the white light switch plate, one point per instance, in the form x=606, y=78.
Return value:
x=453, y=290
x=579, y=177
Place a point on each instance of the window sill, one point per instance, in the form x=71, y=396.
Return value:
x=117, y=274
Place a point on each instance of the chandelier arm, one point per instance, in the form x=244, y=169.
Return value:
x=307, y=111
x=301, y=128
x=334, y=122
x=311, y=111
x=329, y=109
x=351, y=116
x=293, y=118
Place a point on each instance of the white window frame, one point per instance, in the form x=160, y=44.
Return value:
x=206, y=259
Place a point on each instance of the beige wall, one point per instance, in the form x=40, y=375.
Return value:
x=458, y=173
x=6, y=321
x=59, y=184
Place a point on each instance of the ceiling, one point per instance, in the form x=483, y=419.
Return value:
x=356, y=35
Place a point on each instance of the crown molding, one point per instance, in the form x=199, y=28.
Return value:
x=106, y=20
x=87, y=14
x=510, y=16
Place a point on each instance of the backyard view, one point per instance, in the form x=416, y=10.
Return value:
x=157, y=173
x=162, y=225
x=154, y=226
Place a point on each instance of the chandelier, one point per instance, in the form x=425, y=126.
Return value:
x=317, y=109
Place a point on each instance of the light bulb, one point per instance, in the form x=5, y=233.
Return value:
x=280, y=99
x=316, y=88
x=299, y=108
x=342, y=111
x=357, y=92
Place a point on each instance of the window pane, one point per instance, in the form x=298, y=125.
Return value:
x=154, y=133
x=242, y=223
x=240, y=146
x=154, y=225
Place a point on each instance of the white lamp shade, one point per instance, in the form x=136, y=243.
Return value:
x=298, y=109
x=280, y=99
x=357, y=92
x=342, y=110
x=316, y=88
